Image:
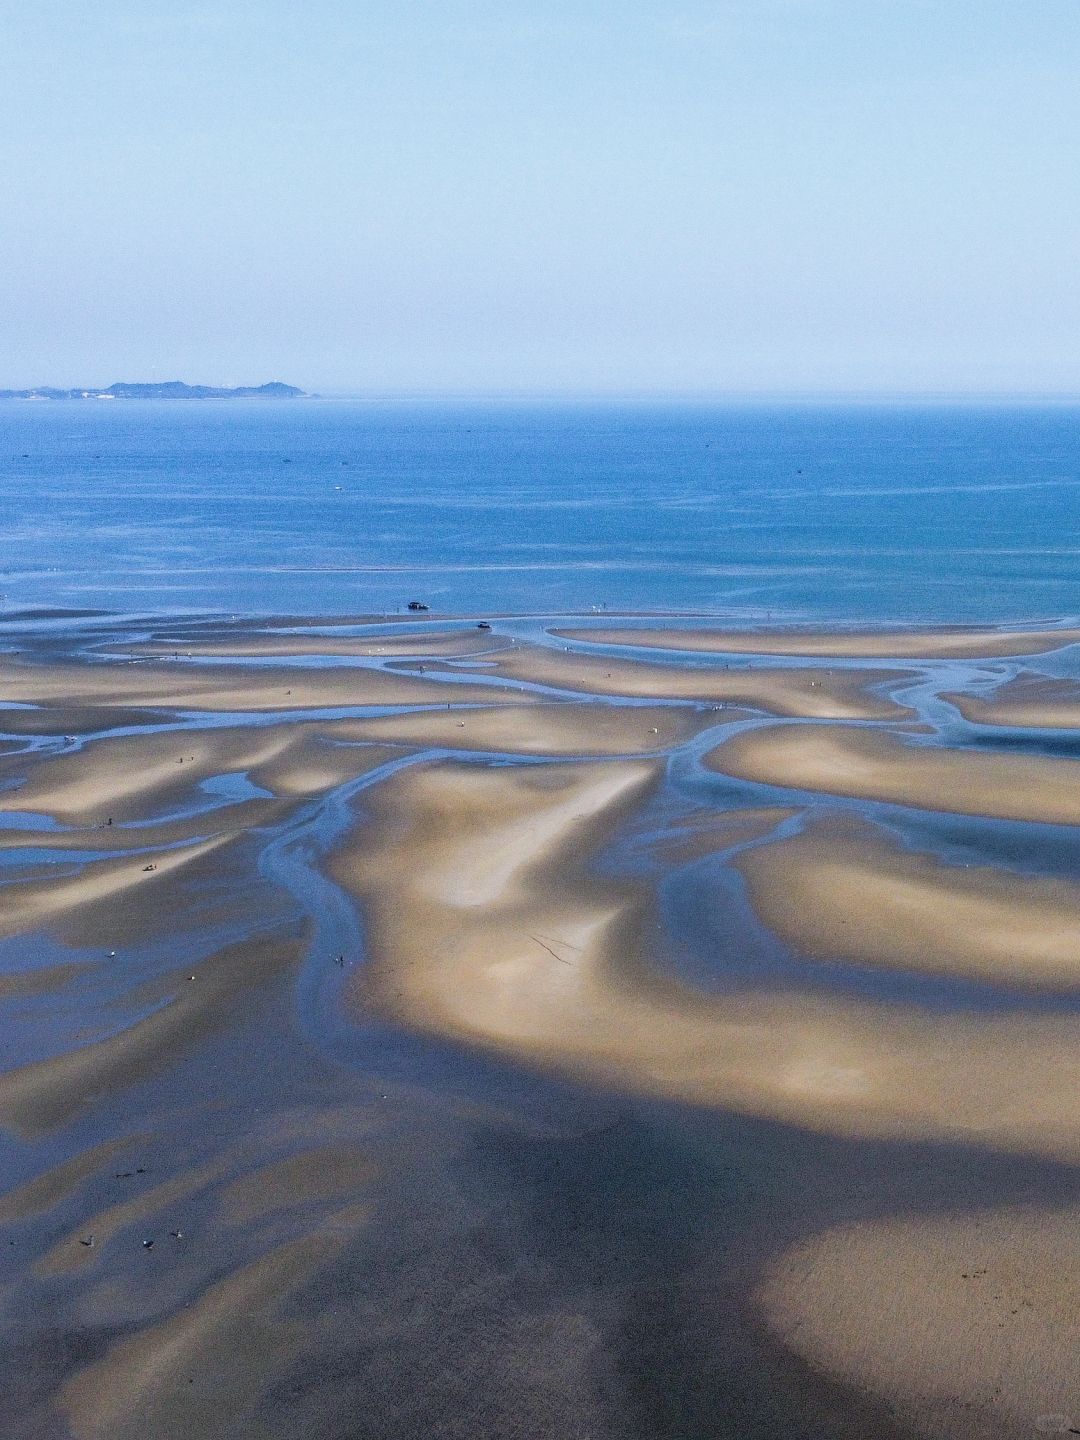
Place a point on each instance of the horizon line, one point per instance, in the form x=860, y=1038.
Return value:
x=436, y=395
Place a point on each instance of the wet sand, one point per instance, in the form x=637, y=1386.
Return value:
x=486, y=926
x=183, y=685
x=220, y=820
x=844, y=891
x=876, y=765
x=492, y=1064
x=431, y=642
x=813, y=693
x=1027, y=701
x=941, y=644
x=562, y=729
x=128, y=777
x=30, y=904
x=47, y=1092
x=979, y=1334
x=132, y=777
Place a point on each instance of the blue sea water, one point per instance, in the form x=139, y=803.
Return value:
x=811, y=512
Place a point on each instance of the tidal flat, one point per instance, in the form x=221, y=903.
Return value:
x=417, y=1030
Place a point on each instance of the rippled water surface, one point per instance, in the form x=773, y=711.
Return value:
x=301, y=1138
x=849, y=514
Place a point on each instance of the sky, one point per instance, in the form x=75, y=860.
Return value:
x=532, y=196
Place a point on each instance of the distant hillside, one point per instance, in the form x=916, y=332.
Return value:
x=165, y=390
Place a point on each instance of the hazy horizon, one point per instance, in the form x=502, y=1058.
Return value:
x=784, y=197
x=718, y=398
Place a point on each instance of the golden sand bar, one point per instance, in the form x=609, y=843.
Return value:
x=30, y=904
x=129, y=776
x=1034, y=701
x=813, y=693
x=564, y=728
x=964, y=1325
x=409, y=643
x=182, y=685
x=878, y=645
x=846, y=892
x=485, y=924
x=872, y=765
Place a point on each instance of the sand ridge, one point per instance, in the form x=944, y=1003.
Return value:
x=473, y=893
x=30, y=904
x=44, y=1093
x=563, y=728
x=487, y=926
x=222, y=820
x=434, y=642
x=131, y=776
x=814, y=693
x=63, y=720
x=846, y=891
x=183, y=685
x=123, y=776
x=978, y=1336
x=876, y=765
x=142, y=1386
x=943, y=644
x=1038, y=702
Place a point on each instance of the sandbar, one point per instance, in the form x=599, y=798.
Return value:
x=875, y=765
x=27, y=905
x=1030, y=701
x=43, y=979
x=564, y=728
x=122, y=776
x=184, y=685
x=216, y=1357
x=44, y=1093
x=847, y=892
x=805, y=692
x=129, y=776
x=407, y=643
x=60, y=1182
x=965, y=1325
x=487, y=924
x=320, y=1173
x=945, y=644
x=222, y=820
x=84, y=720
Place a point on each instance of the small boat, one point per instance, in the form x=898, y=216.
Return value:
x=417, y=605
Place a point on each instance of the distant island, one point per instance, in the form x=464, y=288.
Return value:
x=165, y=390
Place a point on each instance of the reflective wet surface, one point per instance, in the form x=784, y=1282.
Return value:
x=239, y=1202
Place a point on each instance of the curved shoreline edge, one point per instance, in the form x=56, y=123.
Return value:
x=749, y=989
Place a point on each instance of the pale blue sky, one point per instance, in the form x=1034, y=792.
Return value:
x=454, y=195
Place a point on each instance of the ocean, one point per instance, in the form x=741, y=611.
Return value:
x=442, y=1029
x=851, y=514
